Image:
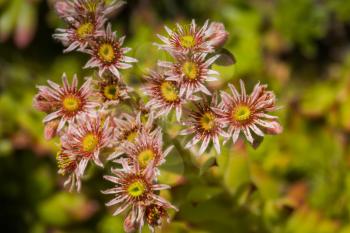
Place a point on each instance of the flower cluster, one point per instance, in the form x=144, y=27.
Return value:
x=105, y=120
x=176, y=85
x=92, y=123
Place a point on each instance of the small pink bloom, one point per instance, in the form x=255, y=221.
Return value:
x=134, y=190
x=217, y=34
x=164, y=95
x=108, y=55
x=248, y=113
x=187, y=39
x=205, y=125
x=64, y=103
x=190, y=72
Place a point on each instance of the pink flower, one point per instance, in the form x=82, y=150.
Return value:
x=187, y=39
x=164, y=95
x=64, y=103
x=147, y=147
x=81, y=30
x=217, y=34
x=190, y=72
x=134, y=191
x=107, y=53
x=128, y=127
x=90, y=8
x=83, y=142
x=87, y=137
x=246, y=113
x=110, y=90
x=205, y=125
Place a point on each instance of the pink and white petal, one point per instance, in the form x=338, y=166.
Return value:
x=112, y=179
x=234, y=91
x=248, y=135
x=178, y=113
x=114, y=71
x=216, y=144
x=235, y=135
x=204, y=89
x=257, y=130
x=112, y=190
x=121, y=208
x=211, y=60
x=186, y=131
x=243, y=91
x=167, y=151
x=52, y=116
x=116, y=200
x=191, y=143
x=157, y=187
x=168, y=30
x=204, y=145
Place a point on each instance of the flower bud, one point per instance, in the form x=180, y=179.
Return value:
x=130, y=224
x=42, y=104
x=62, y=8
x=154, y=215
x=50, y=130
x=218, y=35
x=276, y=129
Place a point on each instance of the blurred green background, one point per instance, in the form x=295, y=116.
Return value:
x=298, y=181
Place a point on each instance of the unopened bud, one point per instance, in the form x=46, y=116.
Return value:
x=218, y=35
x=130, y=224
x=41, y=104
x=154, y=214
x=275, y=129
x=50, y=130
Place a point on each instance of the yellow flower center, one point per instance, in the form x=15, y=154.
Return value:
x=169, y=91
x=131, y=136
x=90, y=142
x=190, y=69
x=187, y=41
x=207, y=121
x=106, y=52
x=145, y=157
x=71, y=103
x=84, y=30
x=241, y=113
x=136, y=189
x=111, y=92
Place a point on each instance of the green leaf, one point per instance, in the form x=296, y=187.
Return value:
x=237, y=172
x=226, y=58
x=206, y=165
x=203, y=193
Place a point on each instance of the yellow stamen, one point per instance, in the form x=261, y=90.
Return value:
x=71, y=103
x=145, y=157
x=84, y=30
x=131, y=136
x=106, y=52
x=90, y=141
x=187, y=41
x=64, y=162
x=91, y=6
x=241, y=113
x=190, y=69
x=136, y=189
x=169, y=91
x=207, y=121
x=111, y=92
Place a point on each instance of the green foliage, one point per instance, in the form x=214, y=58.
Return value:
x=301, y=22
